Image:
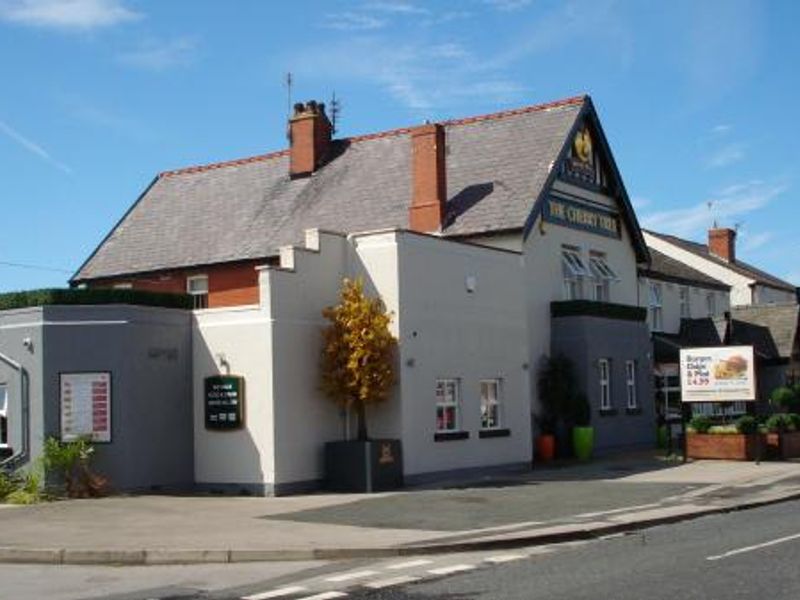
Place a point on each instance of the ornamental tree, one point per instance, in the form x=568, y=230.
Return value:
x=358, y=352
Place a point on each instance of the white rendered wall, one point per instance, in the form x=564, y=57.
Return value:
x=448, y=332
x=671, y=305
x=243, y=337
x=768, y=295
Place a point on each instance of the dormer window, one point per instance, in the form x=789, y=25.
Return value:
x=603, y=276
x=574, y=271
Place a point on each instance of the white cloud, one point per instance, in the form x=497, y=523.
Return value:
x=753, y=241
x=66, y=14
x=397, y=7
x=723, y=207
x=726, y=155
x=639, y=202
x=507, y=5
x=793, y=278
x=721, y=129
x=32, y=147
x=352, y=21
x=154, y=55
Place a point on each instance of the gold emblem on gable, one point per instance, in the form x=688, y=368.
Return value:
x=582, y=146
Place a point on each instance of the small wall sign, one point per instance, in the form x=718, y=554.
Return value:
x=224, y=402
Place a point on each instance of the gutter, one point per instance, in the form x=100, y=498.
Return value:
x=20, y=457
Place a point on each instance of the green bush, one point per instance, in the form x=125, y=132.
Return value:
x=56, y=296
x=794, y=418
x=8, y=484
x=723, y=429
x=71, y=461
x=747, y=424
x=29, y=489
x=784, y=398
x=780, y=423
x=701, y=423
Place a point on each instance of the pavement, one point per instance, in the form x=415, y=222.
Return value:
x=563, y=502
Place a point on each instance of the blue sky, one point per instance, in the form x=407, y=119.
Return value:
x=98, y=96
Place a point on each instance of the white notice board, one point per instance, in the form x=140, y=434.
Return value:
x=86, y=406
x=717, y=374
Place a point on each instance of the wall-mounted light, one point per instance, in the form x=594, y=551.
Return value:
x=471, y=283
x=223, y=362
x=27, y=343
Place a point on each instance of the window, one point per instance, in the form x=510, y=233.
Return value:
x=574, y=271
x=603, y=275
x=630, y=384
x=668, y=394
x=490, y=404
x=719, y=409
x=711, y=304
x=3, y=415
x=683, y=299
x=197, y=287
x=654, y=312
x=447, y=405
x=123, y=286
x=605, y=383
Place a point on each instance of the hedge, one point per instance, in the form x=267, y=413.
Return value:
x=49, y=297
x=590, y=308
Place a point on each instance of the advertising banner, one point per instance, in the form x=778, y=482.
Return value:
x=718, y=374
x=224, y=400
x=86, y=406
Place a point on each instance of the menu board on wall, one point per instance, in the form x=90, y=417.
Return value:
x=717, y=374
x=86, y=406
x=224, y=400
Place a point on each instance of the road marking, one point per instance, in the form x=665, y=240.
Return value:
x=324, y=596
x=384, y=583
x=353, y=575
x=409, y=564
x=503, y=558
x=451, y=569
x=788, y=538
x=275, y=593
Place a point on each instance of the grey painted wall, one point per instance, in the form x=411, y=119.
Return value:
x=587, y=339
x=148, y=352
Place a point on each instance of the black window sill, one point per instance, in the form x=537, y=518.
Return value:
x=450, y=436
x=494, y=433
x=633, y=411
x=608, y=412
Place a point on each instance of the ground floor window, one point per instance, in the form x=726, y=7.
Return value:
x=491, y=417
x=3, y=415
x=604, y=366
x=630, y=384
x=447, y=405
x=668, y=395
x=719, y=409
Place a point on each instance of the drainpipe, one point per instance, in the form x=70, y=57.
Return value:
x=14, y=461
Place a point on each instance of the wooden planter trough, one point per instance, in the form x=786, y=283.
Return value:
x=725, y=446
x=783, y=445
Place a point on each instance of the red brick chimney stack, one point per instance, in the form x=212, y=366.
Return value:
x=722, y=243
x=429, y=193
x=309, y=137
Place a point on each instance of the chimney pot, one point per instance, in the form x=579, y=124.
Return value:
x=310, y=138
x=722, y=243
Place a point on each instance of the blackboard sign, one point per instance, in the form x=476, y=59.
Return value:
x=224, y=402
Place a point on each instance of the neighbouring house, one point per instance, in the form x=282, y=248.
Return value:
x=717, y=258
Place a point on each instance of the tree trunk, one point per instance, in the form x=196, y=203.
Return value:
x=361, y=414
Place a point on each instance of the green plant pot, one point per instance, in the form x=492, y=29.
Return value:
x=661, y=436
x=583, y=442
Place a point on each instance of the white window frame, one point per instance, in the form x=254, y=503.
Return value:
x=445, y=401
x=487, y=402
x=604, y=378
x=3, y=415
x=603, y=275
x=199, y=297
x=574, y=271
x=655, y=306
x=630, y=384
x=711, y=304
x=683, y=301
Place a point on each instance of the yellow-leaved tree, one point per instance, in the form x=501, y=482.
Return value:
x=358, y=352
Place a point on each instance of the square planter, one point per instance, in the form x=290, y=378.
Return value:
x=729, y=446
x=371, y=466
x=783, y=445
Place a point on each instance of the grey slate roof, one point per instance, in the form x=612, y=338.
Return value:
x=668, y=269
x=781, y=320
x=738, y=266
x=247, y=209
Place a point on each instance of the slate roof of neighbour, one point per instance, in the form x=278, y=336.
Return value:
x=246, y=209
x=738, y=266
x=668, y=269
x=781, y=320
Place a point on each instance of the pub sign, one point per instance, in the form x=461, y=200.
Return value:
x=224, y=401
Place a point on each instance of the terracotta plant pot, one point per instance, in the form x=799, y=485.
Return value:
x=546, y=447
x=583, y=442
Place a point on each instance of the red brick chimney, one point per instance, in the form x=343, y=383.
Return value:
x=309, y=138
x=722, y=243
x=429, y=193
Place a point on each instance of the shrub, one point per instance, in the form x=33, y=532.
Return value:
x=70, y=460
x=700, y=424
x=784, y=398
x=747, y=424
x=8, y=484
x=29, y=488
x=780, y=423
x=45, y=297
x=723, y=429
x=794, y=418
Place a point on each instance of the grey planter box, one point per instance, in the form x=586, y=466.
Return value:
x=371, y=466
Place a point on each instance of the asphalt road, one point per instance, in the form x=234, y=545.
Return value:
x=748, y=554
